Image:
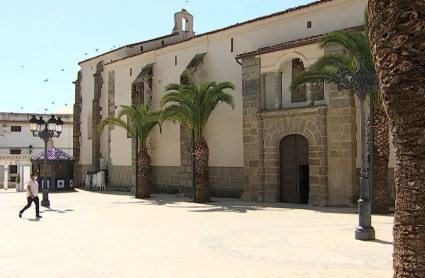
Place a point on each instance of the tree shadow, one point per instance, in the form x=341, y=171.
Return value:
x=237, y=209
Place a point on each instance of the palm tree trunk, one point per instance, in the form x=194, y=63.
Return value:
x=396, y=35
x=382, y=156
x=202, y=189
x=143, y=186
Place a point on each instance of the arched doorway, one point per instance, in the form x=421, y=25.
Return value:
x=294, y=170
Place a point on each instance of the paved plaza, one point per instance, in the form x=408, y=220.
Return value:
x=88, y=234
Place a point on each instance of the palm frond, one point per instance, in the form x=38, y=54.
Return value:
x=115, y=121
x=191, y=105
x=141, y=121
x=337, y=61
x=325, y=75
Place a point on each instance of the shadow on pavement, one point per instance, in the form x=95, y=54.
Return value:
x=56, y=210
x=227, y=204
x=34, y=219
x=61, y=191
x=382, y=241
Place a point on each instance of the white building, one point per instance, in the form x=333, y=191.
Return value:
x=18, y=145
x=260, y=54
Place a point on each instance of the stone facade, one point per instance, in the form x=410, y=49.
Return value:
x=342, y=143
x=78, y=171
x=165, y=179
x=97, y=116
x=329, y=129
x=226, y=181
x=121, y=178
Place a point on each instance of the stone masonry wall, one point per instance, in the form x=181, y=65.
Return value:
x=165, y=179
x=78, y=174
x=250, y=102
x=310, y=122
x=121, y=178
x=224, y=181
x=342, y=147
x=97, y=116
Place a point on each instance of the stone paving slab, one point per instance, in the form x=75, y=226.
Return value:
x=88, y=234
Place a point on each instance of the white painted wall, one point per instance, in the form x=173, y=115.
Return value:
x=224, y=131
x=22, y=140
x=270, y=91
x=87, y=91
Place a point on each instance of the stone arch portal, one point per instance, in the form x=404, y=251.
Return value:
x=313, y=144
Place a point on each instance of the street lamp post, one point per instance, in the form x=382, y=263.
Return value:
x=46, y=131
x=361, y=83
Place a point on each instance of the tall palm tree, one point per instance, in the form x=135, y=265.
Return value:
x=141, y=121
x=398, y=47
x=191, y=105
x=325, y=70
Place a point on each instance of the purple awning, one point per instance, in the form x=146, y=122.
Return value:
x=53, y=154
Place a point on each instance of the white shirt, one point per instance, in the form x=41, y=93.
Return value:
x=33, y=186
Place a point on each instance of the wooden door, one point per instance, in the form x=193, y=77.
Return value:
x=293, y=163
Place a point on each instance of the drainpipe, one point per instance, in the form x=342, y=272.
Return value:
x=237, y=60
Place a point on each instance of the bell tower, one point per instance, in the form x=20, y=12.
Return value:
x=183, y=24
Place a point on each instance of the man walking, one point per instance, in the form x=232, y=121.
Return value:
x=32, y=196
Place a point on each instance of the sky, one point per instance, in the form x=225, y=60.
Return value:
x=45, y=39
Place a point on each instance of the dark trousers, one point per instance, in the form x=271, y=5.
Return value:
x=37, y=205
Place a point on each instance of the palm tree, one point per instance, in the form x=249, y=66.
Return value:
x=396, y=34
x=141, y=121
x=191, y=105
x=325, y=70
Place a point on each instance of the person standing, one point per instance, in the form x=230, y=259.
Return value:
x=32, y=196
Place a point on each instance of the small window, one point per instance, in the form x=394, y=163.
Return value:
x=12, y=179
x=131, y=71
x=13, y=169
x=141, y=48
x=308, y=24
x=15, y=128
x=231, y=45
x=175, y=60
x=162, y=42
x=15, y=151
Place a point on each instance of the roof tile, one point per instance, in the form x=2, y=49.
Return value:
x=223, y=29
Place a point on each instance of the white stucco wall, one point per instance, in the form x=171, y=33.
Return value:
x=224, y=130
x=87, y=91
x=23, y=139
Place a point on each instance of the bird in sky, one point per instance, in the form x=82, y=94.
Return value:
x=46, y=80
x=53, y=102
x=62, y=70
x=96, y=49
x=22, y=66
x=66, y=104
x=45, y=109
x=22, y=107
x=85, y=53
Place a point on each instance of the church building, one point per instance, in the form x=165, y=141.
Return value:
x=275, y=146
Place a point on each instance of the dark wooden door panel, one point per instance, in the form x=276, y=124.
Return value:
x=294, y=154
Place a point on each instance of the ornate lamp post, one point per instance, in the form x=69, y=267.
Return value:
x=46, y=131
x=361, y=83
